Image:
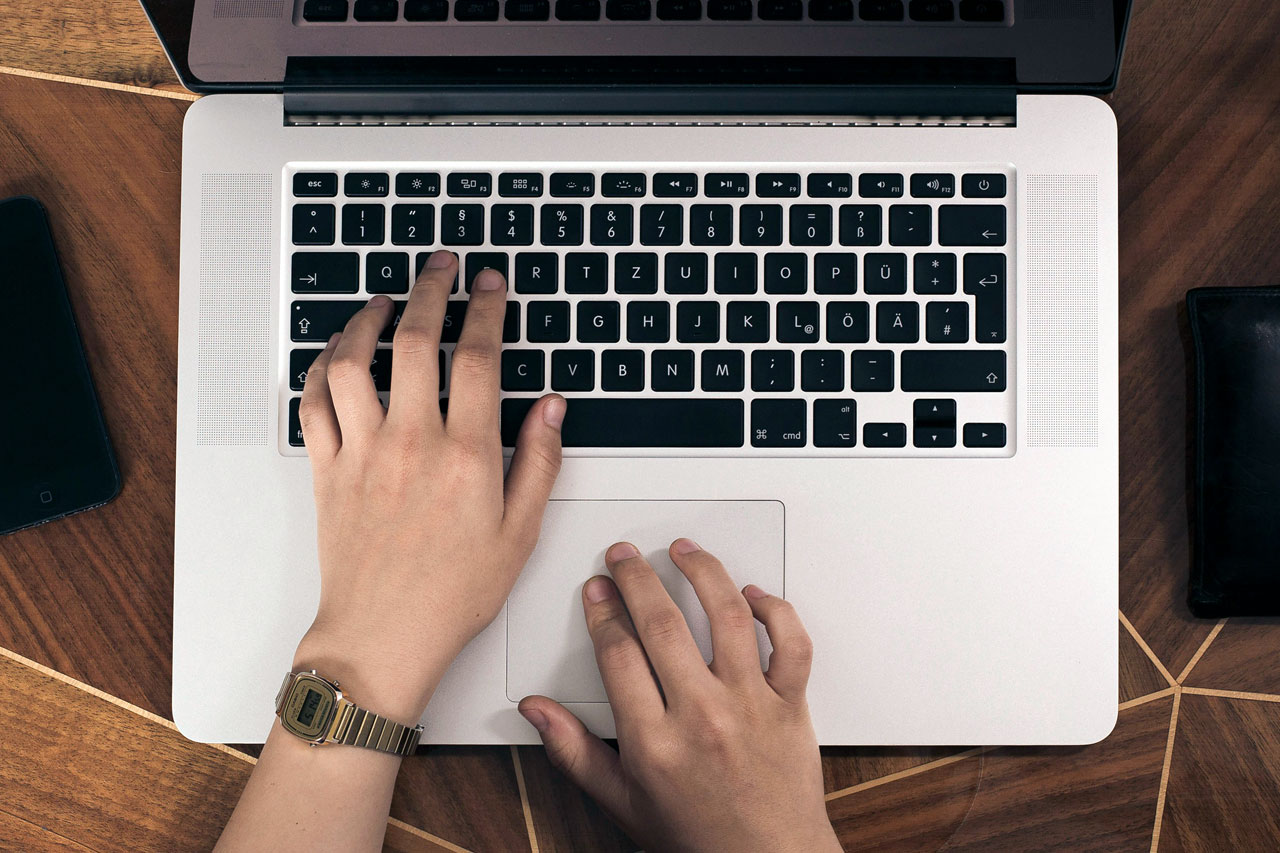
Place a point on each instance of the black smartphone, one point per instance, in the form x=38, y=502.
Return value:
x=55, y=457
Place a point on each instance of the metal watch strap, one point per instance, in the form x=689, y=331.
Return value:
x=355, y=726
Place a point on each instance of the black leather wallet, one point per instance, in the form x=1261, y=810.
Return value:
x=1235, y=332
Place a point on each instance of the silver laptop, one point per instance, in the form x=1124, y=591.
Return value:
x=830, y=287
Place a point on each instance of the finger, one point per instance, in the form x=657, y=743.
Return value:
x=415, y=368
x=659, y=623
x=589, y=762
x=355, y=399
x=735, y=653
x=477, y=362
x=792, y=657
x=624, y=667
x=534, y=468
x=319, y=422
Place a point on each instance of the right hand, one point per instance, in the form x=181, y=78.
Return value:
x=710, y=757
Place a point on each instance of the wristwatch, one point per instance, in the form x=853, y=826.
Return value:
x=314, y=709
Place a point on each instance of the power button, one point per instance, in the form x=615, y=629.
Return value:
x=983, y=186
x=46, y=496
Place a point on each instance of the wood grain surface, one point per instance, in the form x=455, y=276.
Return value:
x=1199, y=115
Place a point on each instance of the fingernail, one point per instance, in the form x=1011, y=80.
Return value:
x=380, y=300
x=440, y=259
x=754, y=592
x=536, y=718
x=489, y=280
x=553, y=412
x=685, y=546
x=621, y=551
x=599, y=589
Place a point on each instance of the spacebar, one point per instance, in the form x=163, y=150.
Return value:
x=637, y=422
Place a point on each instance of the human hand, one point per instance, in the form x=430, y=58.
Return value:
x=710, y=757
x=420, y=541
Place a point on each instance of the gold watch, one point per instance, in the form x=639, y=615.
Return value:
x=315, y=710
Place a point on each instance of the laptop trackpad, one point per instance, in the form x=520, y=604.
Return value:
x=548, y=649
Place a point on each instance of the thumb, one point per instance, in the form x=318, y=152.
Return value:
x=589, y=762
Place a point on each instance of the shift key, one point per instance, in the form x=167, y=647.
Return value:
x=954, y=370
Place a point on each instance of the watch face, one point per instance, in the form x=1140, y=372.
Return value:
x=308, y=709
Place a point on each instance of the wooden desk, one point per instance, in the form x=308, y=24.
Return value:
x=88, y=758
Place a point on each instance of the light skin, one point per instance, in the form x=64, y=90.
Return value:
x=421, y=539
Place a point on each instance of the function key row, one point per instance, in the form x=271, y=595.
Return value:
x=637, y=185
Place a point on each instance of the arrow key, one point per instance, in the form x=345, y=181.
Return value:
x=984, y=435
x=884, y=435
x=935, y=437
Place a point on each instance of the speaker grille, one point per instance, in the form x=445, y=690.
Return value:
x=248, y=8
x=1061, y=288
x=233, y=355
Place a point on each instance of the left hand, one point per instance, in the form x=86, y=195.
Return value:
x=420, y=540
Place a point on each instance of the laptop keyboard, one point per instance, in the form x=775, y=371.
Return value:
x=663, y=11
x=842, y=311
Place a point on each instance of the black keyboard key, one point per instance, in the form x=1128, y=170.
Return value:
x=780, y=10
x=586, y=272
x=723, y=370
x=623, y=184
x=747, y=322
x=462, y=224
x=860, y=224
x=685, y=273
x=455, y=312
x=797, y=322
x=880, y=10
x=835, y=273
x=638, y=422
x=511, y=225
x=628, y=10
x=898, y=322
x=671, y=370
x=316, y=320
x=511, y=323
x=476, y=10
x=931, y=10
x=315, y=184
x=325, y=272
x=376, y=10
x=910, y=225
x=848, y=322
x=675, y=184
x=984, y=435
x=599, y=322
x=773, y=370
x=778, y=423
x=562, y=224
x=573, y=370
x=729, y=10
x=946, y=322
x=420, y=263
x=520, y=184
x=711, y=224
x=537, y=272
x=299, y=363
x=953, y=370
x=295, y=422
x=884, y=435
x=982, y=11
x=811, y=225
x=925, y=437
x=984, y=280
x=622, y=370
x=635, y=272
x=761, y=225
x=386, y=272
x=935, y=273
x=872, y=370
x=426, y=10
x=547, y=323
x=661, y=225
x=476, y=261
x=727, y=185
x=413, y=224
x=786, y=272
x=611, y=224
x=933, y=413
x=578, y=10
x=679, y=10
x=830, y=185
x=418, y=184
x=972, y=224
x=470, y=184
x=983, y=185
x=363, y=224
x=573, y=184
x=324, y=11
x=523, y=370
x=831, y=10
x=528, y=10
x=835, y=423
x=885, y=274
x=367, y=184
x=313, y=224
x=736, y=273
x=933, y=185
x=697, y=322
x=649, y=323
x=880, y=185
x=822, y=370
x=777, y=185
